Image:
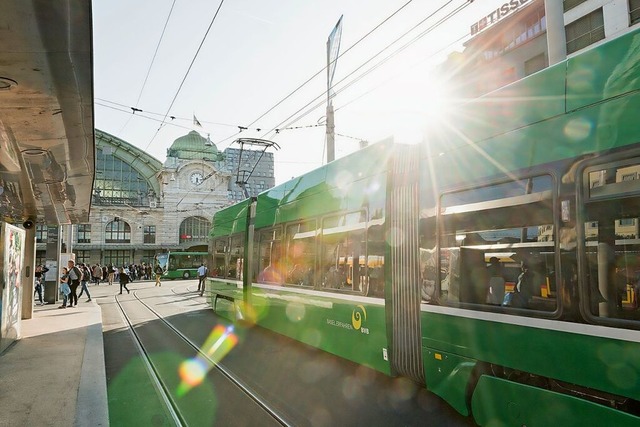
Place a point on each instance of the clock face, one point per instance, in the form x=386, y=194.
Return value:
x=196, y=178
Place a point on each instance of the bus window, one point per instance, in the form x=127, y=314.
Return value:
x=497, y=246
x=611, y=244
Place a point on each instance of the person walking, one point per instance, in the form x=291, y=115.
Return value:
x=83, y=281
x=39, y=276
x=75, y=275
x=64, y=286
x=202, y=275
x=97, y=274
x=112, y=273
x=124, y=279
x=158, y=274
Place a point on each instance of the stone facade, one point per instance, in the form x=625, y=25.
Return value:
x=141, y=206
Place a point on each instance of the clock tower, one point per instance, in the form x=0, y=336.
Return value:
x=194, y=183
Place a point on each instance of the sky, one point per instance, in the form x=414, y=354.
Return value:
x=242, y=69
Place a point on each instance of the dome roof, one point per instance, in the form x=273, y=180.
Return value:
x=193, y=146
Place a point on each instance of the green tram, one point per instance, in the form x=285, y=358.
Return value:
x=497, y=263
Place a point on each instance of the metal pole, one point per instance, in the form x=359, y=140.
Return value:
x=331, y=136
x=556, y=37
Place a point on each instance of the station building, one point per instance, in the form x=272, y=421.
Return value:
x=141, y=206
x=522, y=37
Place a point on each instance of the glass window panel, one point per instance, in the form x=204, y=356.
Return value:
x=612, y=240
x=118, y=232
x=301, y=253
x=117, y=258
x=219, y=257
x=83, y=233
x=41, y=233
x=236, y=257
x=343, y=254
x=149, y=234
x=118, y=183
x=194, y=229
x=497, y=247
x=271, y=268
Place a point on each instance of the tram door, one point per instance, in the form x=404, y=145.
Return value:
x=403, y=306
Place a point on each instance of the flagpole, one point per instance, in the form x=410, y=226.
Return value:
x=333, y=47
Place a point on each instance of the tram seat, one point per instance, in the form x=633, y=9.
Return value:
x=629, y=298
x=495, y=295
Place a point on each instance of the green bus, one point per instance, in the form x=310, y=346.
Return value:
x=497, y=263
x=181, y=265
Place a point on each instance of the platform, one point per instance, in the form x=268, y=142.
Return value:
x=55, y=374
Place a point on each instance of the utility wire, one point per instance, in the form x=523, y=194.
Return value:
x=155, y=53
x=183, y=79
x=395, y=76
x=278, y=128
x=401, y=48
x=324, y=69
x=150, y=66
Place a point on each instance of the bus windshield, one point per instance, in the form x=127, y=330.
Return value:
x=162, y=260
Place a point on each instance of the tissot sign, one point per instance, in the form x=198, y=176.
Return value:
x=497, y=15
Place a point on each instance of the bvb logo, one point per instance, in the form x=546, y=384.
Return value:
x=357, y=317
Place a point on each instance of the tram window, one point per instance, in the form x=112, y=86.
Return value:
x=375, y=259
x=300, y=253
x=611, y=244
x=236, y=257
x=219, y=261
x=271, y=268
x=497, y=246
x=343, y=257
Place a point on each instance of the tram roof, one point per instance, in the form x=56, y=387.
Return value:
x=47, y=147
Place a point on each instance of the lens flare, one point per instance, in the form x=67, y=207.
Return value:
x=193, y=371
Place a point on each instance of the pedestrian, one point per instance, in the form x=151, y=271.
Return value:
x=64, y=286
x=158, y=274
x=124, y=279
x=83, y=281
x=112, y=273
x=202, y=274
x=39, y=276
x=97, y=274
x=75, y=275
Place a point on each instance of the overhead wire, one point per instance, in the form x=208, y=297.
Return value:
x=284, y=122
x=155, y=53
x=150, y=65
x=193, y=60
x=315, y=75
x=325, y=68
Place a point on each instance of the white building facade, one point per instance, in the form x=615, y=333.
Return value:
x=522, y=37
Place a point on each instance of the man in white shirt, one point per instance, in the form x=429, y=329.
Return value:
x=202, y=274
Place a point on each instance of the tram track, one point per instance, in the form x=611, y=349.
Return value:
x=163, y=388
x=156, y=379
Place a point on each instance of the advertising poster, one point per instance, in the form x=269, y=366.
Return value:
x=11, y=262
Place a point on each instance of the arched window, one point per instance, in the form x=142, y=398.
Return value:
x=117, y=183
x=194, y=228
x=117, y=232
